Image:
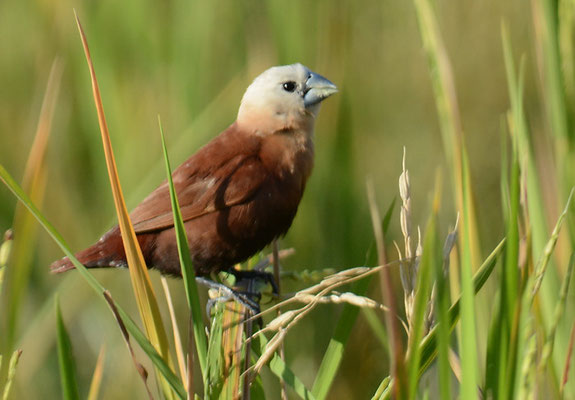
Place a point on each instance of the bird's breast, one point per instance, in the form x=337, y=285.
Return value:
x=288, y=155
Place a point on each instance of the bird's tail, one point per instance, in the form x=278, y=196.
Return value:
x=107, y=252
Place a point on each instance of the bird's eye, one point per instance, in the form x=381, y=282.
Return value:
x=289, y=86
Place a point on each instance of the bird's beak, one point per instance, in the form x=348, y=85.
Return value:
x=317, y=88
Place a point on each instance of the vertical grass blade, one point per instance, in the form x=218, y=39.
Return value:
x=176, y=332
x=567, y=367
x=283, y=372
x=429, y=343
x=519, y=130
x=66, y=360
x=334, y=353
x=430, y=257
x=559, y=311
x=143, y=290
x=233, y=349
x=546, y=35
x=96, y=383
x=469, y=365
x=187, y=267
x=442, y=318
x=5, y=250
x=24, y=228
x=510, y=307
x=550, y=60
x=543, y=262
x=449, y=119
x=214, y=378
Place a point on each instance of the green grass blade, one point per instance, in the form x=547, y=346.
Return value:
x=545, y=13
x=334, y=353
x=429, y=343
x=381, y=389
x=131, y=326
x=494, y=354
x=505, y=339
x=282, y=371
x=444, y=90
x=377, y=327
x=558, y=314
x=66, y=360
x=510, y=277
x=214, y=378
x=455, y=149
x=469, y=372
x=509, y=306
x=333, y=356
x=5, y=250
x=187, y=267
x=537, y=232
x=430, y=257
x=442, y=318
x=553, y=93
x=518, y=129
x=543, y=262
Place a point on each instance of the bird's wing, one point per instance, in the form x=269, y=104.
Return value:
x=220, y=175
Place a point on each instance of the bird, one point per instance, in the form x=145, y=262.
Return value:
x=238, y=192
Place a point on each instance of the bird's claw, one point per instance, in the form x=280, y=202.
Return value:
x=228, y=293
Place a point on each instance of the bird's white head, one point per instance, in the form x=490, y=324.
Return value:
x=284, y=97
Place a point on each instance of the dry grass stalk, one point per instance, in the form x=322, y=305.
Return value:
x=410, y=263
x=328, y=284
x=232, y=343
x=176, y=332
x=96, y=383
x=343, y=298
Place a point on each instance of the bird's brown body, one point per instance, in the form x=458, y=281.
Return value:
x=237, y=193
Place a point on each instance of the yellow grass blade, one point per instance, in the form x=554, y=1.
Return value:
x=232, y=345
x=97, y=376
x=144, y=292
x=177, y=339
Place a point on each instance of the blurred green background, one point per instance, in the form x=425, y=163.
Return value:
x=190, y=61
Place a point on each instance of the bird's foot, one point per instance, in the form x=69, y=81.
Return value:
x=248, y=300
x=255, y=274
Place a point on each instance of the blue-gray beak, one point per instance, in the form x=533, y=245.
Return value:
x=317, y=88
